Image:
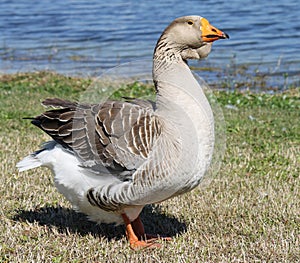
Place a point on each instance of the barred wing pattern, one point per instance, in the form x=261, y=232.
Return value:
x=114, y=136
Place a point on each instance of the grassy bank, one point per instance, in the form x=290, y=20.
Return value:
x=249, y=212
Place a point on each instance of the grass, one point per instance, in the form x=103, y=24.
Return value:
x=249, y=212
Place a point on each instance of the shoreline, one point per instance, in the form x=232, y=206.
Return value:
x=232, y=78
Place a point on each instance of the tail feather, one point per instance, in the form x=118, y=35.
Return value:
x=37, y=158
x=29, y=162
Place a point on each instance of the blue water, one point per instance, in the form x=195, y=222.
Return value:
x=88, y=37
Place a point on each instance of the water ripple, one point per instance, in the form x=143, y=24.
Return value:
x=91, y=36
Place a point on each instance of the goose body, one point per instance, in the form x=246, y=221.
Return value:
x=111, y=159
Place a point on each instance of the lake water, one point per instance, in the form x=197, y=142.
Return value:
x=88, y=37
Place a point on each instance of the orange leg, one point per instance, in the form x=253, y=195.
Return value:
x=135, y=230
x=138, y=228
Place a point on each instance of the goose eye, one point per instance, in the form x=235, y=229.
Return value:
x=190, y=22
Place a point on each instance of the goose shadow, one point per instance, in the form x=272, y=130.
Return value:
x=66, y=220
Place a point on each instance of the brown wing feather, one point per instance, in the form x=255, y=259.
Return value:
x=117, y=135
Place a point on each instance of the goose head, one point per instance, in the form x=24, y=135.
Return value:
x=189, y=36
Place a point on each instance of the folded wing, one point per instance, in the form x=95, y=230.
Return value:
x=114, y=136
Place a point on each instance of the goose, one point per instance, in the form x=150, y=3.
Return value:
x=113, y=158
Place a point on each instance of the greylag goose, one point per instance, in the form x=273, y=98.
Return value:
x=111, y=159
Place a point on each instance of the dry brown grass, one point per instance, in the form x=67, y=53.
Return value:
x=250, y=212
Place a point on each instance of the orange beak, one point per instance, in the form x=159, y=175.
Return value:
x=211, y=33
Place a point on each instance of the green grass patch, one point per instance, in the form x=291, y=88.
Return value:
x=249, y=212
